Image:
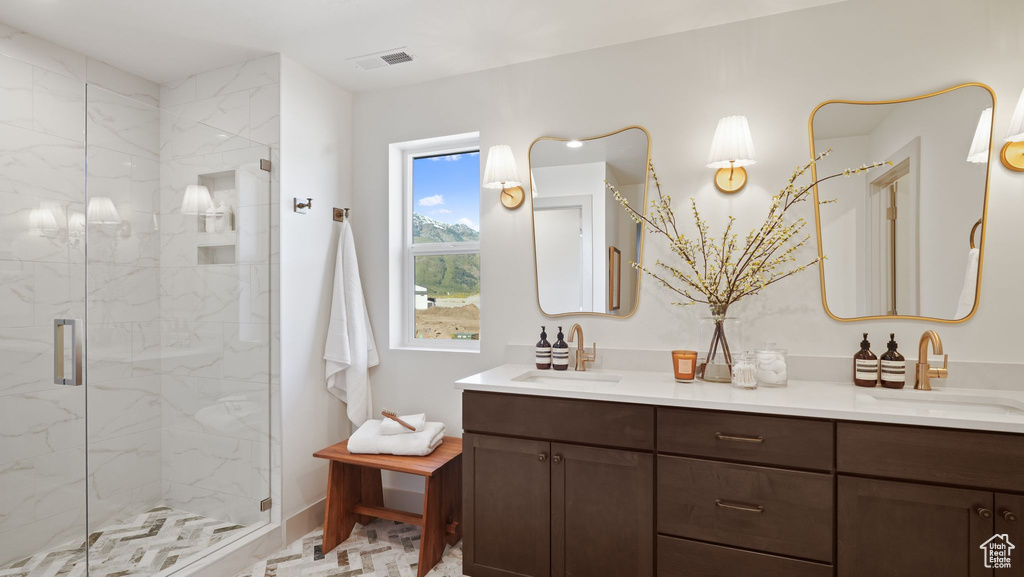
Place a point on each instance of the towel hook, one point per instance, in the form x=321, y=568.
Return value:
x=974, y=229
x=340, y=214
x=297, y=206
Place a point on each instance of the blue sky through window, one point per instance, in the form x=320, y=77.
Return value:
x=447, y=188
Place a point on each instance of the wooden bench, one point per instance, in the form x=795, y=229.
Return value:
x=355, y=494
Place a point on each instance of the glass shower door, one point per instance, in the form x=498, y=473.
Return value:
x=42, y=304
x=179, y=336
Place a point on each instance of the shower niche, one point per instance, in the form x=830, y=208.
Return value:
x=217, y=228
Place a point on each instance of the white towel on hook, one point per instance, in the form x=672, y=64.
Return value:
x=350, y=350
x=967, y=296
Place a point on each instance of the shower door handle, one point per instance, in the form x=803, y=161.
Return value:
x=59, y=376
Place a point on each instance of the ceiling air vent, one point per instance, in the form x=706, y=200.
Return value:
x=382, y=59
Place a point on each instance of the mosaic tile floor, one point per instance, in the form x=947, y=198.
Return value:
x=143, y=545
x=380, y=549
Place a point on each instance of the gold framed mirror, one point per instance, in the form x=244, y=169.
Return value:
x=583, y=240
x=907, y=240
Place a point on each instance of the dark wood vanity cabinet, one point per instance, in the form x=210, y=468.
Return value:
x=560, y=487
x=541, y=507
x=905, y=529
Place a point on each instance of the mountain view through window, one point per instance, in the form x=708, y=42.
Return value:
x=446, y=211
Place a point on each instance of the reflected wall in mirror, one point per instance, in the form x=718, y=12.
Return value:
x=905, y=240
x=583, y=240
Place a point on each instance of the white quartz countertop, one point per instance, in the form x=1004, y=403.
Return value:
x=977, y=409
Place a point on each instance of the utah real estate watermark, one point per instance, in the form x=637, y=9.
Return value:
x=997, y=551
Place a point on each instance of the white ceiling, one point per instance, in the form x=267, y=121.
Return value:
x=170, y=39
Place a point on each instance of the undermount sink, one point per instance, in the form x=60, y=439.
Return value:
x=939, y=402
x=567, y=379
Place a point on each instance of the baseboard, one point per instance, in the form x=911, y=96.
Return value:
x=302, y=523
x=411, y=501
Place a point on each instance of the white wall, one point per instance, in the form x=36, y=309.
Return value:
x=315, y=162
x=775, y=70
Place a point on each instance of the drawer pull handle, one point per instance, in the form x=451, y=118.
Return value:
x=542, y=457
x=723, y=437
x=739, y=507
x=1010, y=516
x=984, y=513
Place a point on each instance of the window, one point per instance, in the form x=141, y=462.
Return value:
x=435, y=242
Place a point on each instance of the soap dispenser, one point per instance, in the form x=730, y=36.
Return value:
x=543, y=351
x=560, y=353
x=893, y=366
x=865, y=365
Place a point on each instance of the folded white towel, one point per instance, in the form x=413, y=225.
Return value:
x=392, y=427
x=368, y=440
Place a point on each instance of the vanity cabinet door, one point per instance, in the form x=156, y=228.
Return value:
x=602, y=512
x=1009, y=515
x=906, y=530
x=506, y=507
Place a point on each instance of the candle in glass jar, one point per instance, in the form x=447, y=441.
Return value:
x=684, y=363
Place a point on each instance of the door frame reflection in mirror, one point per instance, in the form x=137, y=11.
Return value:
x=533, y=222
x=984, y=213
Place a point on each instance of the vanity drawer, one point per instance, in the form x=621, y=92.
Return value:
x=682, y=558
x=967, y=458
x=778, y=441
x=554, y=419
x=771, y=510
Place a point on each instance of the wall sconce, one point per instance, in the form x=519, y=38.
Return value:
x=501, y=173
x=731, y=150
x=982, y=137
x=197, y=200
x=1013, y=151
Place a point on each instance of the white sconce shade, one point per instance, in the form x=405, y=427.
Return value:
x=42, y=219
x=501, y=171
x=732, y=146
x=101, y=210
x=982, y=135
x=1016, y=133
x=197, y=199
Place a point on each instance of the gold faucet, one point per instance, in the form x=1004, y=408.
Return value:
x=925, y=373
x=582, y=356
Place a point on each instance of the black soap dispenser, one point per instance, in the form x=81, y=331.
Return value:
x=865, y=365
x=543, y=351
x=560, y=353
x=893, y=366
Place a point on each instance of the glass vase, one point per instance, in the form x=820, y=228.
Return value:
x=724, y=336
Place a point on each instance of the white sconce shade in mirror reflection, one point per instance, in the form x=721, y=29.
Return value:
x=101, y=210
x=533, y=185
x=982, y=135
x=574, y=144
x=501, y=173
x=197, y=199
x=1012, y=154
x=731, y=150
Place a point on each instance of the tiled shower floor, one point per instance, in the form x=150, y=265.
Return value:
x=143, y=545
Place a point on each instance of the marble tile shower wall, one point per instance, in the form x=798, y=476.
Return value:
x=212, y=343
x=44, y=115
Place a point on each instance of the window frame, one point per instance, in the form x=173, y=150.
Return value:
x=406, y=303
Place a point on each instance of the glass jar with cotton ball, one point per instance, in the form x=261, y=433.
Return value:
x=771, y=366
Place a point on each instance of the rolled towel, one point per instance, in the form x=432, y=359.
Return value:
x=393, y=427
x=368, y=440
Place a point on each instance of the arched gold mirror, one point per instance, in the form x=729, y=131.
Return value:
x=906, y=240
x=583, y=239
